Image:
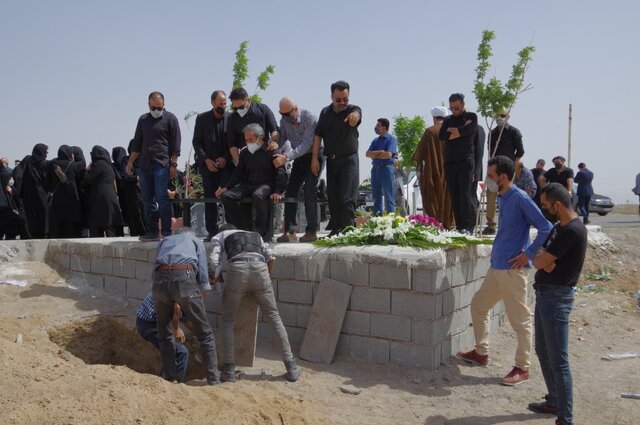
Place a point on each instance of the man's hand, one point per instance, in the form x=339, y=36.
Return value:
x=211, y=165
x=179, y=334
x=129, y=168
x=520, y=261
x=220, y=191
x=220, y=162
x=352, y=119
x=272, y=145
x=173, y=171
x=279, y=160
x=171, y=194
x=275, y=197
x=453, y=133
x=315, y=166
x=550, y=267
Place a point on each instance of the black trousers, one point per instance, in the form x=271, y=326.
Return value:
x=241, y=215
x=459, y=176
x=210, y=183
x=133, y=208
x=343, y=178
x=12, y=225
x=301, y=173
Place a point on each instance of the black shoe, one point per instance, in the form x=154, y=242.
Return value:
x=228, y=373
x=489, y=231
x=213, y=383
x=293, y=371
x=543, y=407
x=149, y=237
x=586, y=222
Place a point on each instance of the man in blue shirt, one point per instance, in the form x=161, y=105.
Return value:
x=584, y=178
x=382, y=151
x=506, y=278
x=181, y=277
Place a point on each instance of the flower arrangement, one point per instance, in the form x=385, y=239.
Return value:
x=417, y=230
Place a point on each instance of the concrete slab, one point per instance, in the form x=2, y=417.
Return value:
x=325, y=321
x=245, y=332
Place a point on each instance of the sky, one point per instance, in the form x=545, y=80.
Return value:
x=79, y=72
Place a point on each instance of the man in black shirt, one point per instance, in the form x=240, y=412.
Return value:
x=558, y=174
x=337, y=129
x=537, y=172
x=559, y=264
x=210, y=146
x=458, y=131
x=255, y=177
x=505, y=140
x=157, y=143
x=247, y=112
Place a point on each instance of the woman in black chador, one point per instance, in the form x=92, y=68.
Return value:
x=30, y=182
x=12, y=221
x=129, y=194
x=105, y=217
x=65, y=209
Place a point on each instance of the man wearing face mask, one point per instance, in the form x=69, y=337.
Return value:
x=297, y=126
x=558, y=174
x=157, y=142
x=504, y=140
x=247, y=112
x=210, y=146
x=559, y=264
x=255, y=177
x=382, y=151
x=506, y=278
x=338, y=129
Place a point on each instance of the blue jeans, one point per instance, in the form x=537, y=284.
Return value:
x=382, y=179
x=180, y=286
x=153, y=187
x=553, y=307
x=149, y=332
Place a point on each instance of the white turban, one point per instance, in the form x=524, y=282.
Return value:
x=439, y=111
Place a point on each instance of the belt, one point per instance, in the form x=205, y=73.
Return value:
x=175, y=267
x=334, y=156
x=542, y=287
x=381, y=165
x=246, y=259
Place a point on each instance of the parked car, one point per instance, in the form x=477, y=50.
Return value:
x=600, y=204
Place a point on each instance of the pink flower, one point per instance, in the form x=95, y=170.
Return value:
x=425, y=220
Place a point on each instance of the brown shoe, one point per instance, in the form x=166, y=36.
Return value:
x=287, y=237
x=309, y=237
x=473, y=357
x=515, y=377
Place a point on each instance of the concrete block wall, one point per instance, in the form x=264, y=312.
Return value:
x=408, y=306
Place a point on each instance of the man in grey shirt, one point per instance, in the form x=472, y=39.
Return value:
x=181, y=277
x=246, y=272
x=298, y=126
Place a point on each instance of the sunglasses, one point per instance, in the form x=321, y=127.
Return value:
x=341, y=100
x=156, y=108
x=287, y=114
x=502, y=116
x=235, y=108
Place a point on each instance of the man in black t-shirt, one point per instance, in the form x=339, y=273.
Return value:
x=337, y=128
x=558, y=174
x=559, y=264
x=537, y=172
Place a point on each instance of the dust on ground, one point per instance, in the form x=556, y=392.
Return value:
x=44, y=383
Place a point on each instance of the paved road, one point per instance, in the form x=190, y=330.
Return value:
x=616, y=220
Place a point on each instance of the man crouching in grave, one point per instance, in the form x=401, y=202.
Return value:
x=246, y=273
x=181, y=277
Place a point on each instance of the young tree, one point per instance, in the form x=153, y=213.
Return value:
x=241, y=72
x=408, y=131
x=493, y=95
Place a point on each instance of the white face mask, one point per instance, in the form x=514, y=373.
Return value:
x=242, y=111
x=11, y=182
x=156, y=114
x=501, y=121
x=492, y=185
x=253, y=147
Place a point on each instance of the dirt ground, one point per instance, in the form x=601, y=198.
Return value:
x=80, y=362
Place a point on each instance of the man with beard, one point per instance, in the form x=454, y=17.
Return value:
x=337, y=129
x=30, y=179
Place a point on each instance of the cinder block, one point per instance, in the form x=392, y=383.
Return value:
x=430, y=332
x=390, y=275
x=79, y=263
x=449, y=347
x=356, y=323
x=87, y=280
x=460, y=320
x=102, y=265
x=373, y=349
x=296, y=336
x=450, y=300
x=302, y=315
x=371, y=299
x=430, y=280
x=63, y=260
x=408, y=354
x=478, y=268
x=287, y=313
x=353, y=273
x=310, y=269
x=458, y=274
x=466, y=291
x=418, y=306
x=152, y=254
x=342, y=349
x=295, y=291
x=391, y=327
x=144, y=270
x=284, y=268
x=123, y=267
x=138, y=289
x=466, y=339
x=137, y=253
x=116, y=286
x=498, y=309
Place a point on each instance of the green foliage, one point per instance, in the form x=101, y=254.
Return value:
x=241, y=72
x=408, y=131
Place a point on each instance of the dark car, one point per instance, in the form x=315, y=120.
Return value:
x=365, y=199
x=601, y=205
